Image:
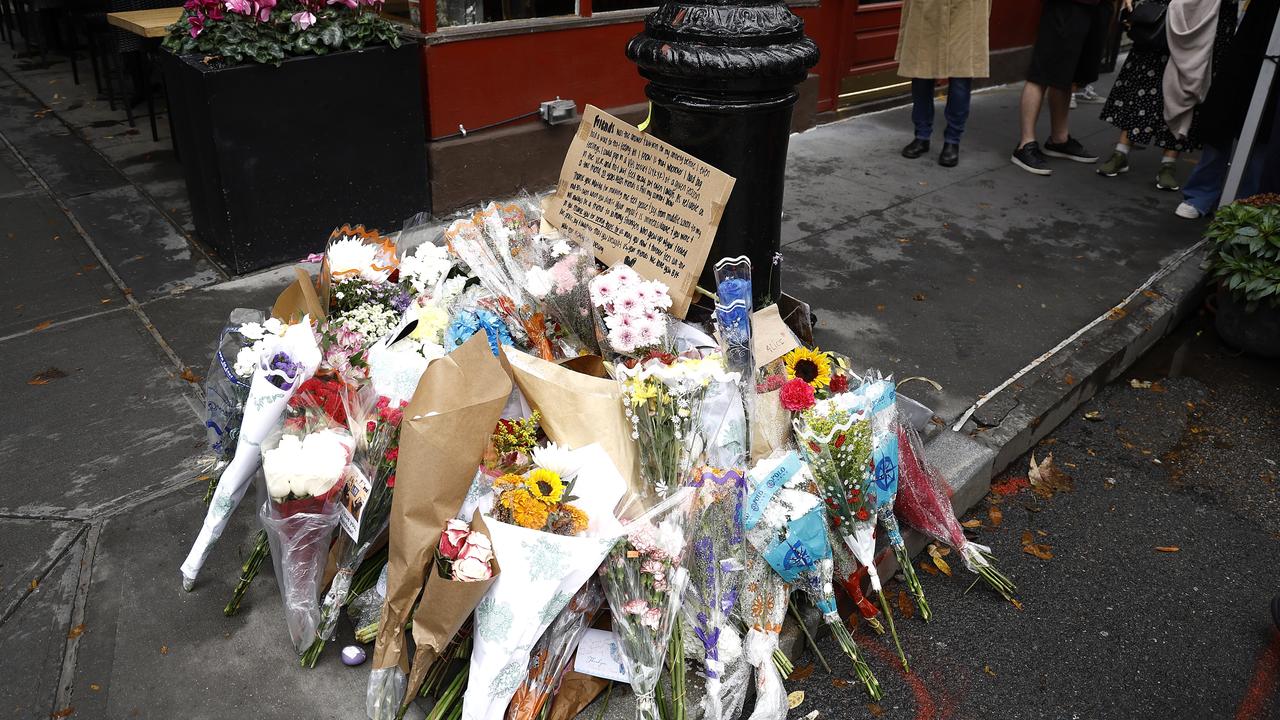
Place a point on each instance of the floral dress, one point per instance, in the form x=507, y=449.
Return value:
x=1136, y=101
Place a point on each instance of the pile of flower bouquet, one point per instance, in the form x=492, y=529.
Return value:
x=483, y=445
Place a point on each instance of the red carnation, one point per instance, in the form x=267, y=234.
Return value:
x=796, y=395
x=839, y=384
x=391, y=481
x=839, y=442
x=863, y=514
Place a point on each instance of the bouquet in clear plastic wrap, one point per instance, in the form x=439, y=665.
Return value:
x=924, y=500
x=882, y=395
x=716, y=563
x=663, y=396
x=365, y=502
x=549, y=659
x=304, y=465
x=785, y=525
x=364, y=301
x=644, y=581
x=762, y=609
x=836, y=438
x=560, y=281
x=631, y=313
x=281, y=358
x=552, y=527
x=226, y=389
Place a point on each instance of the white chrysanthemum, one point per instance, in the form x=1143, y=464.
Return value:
x=432, y=322
x=561, y=248
x=351, y=256
x=559, y=459
x=538, y=282
x=426, y=267
x=246, y=361
x=252, y=331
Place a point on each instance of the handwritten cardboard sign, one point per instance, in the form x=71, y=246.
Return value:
x=770, y=336
x=638, y=200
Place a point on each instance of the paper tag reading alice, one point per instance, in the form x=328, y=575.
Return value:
x=770, y=336
x=599, y=656
x=355, y=493
x=639, y=201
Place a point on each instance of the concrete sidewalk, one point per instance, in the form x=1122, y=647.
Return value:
x=963, y=275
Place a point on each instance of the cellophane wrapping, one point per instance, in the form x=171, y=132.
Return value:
x=225, y=393
x=644, y=580
x=550, y=657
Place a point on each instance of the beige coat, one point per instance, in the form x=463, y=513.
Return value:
x=944, y=38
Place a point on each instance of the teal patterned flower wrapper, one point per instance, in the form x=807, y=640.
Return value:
x=541, y=573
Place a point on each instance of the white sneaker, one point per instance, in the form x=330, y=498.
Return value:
x=1073, y=105
x=1188, y=211
x=1089, y=95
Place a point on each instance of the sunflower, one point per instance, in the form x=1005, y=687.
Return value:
x=811, y=366
x=545, y=485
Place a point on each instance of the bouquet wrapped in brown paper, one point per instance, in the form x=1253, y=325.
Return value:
x=443, y=436
x=580, y=405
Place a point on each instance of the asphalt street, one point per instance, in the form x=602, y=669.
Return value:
x=1152, y=600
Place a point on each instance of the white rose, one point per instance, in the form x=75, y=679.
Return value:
x=280, y=466
x=252, y=330
x=471, y=570
x=274, y=326
x=246, y=361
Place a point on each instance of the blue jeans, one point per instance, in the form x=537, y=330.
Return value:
x=957, y=111
x=1204, y=188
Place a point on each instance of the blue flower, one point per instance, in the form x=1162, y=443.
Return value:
x=470, y=322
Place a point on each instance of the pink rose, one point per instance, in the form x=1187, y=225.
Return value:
x=635, y=607
x=477, y=547
x=471, y=570
x=452, y=539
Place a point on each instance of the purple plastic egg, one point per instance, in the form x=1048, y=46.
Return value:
x=353, y=655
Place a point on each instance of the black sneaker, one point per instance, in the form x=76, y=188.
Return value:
x=1071, y=150
x=1029, y=158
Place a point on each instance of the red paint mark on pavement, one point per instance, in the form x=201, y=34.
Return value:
x=1262, y=687
x=926, y=707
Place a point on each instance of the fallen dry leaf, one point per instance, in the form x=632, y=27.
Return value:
x=1046, y=479
x=801, y=673
x=987, y=669
x=1139, y=384
x=1168, y=548
x=995, y=515
x=1027, y=537
x=813, y=715
x=938, y=562
x=918, y=297
x=839, y=682
x=164, y=649
x=875, y=709
x=45, y=376
x=1069, y=379
x=904, y=605
x=1015, y=602
x=794, y=699
x=974, y=523
x=929, y=568
x=1117, y=313
x=1093, y=415
x=43, y=326
x=75, y=632
x=64, y=712
x=1044, y=552
x=190, y=376
x=34, y=584
x=95, y=687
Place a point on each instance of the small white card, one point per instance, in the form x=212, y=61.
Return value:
x=600, y=656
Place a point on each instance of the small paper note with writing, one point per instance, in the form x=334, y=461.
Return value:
x=770, y=336
x=599, y=656
x=637, y=200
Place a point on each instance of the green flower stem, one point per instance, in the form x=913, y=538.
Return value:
x=248, y=572
x=850, y=649
x=812, y=645
x=676, y=670
x=913, y=581
x=884, y=607
x=783, y=663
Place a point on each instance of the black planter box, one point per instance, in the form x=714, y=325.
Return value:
x=276, y=157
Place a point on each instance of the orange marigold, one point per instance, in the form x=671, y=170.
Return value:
x=525, y=509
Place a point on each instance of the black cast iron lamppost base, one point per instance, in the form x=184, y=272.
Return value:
x=722, y=84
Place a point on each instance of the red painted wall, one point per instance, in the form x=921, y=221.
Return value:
x=476, y=82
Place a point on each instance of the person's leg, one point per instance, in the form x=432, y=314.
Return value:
x=1119, y=160
x=1167, y=176
x=922, y=107
x=957, y=112
x=1203, y=187
x=1059, y=112
x=1032, y=99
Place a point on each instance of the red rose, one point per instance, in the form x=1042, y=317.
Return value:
x=392, y=454
x=797, y=395
x=391, y=481
x=839, y=384
x=863, y=514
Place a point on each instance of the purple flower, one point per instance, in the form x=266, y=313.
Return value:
x=196, y=24
x=302, y=21
x=240, y=7
x=349, y=3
